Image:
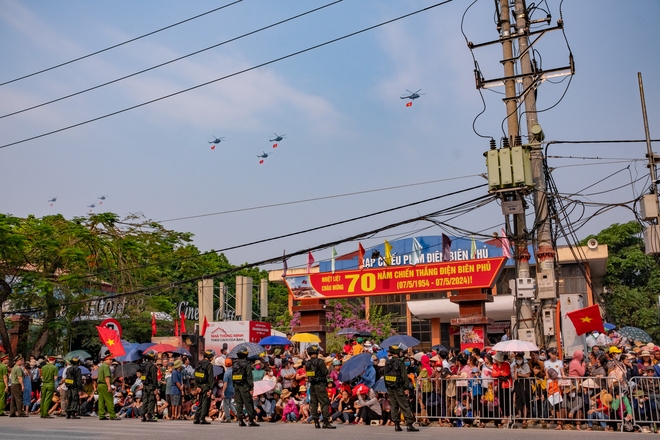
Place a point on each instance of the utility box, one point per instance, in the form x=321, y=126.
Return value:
x=522, y=287
x=570, y=340
x=527, y=334
x=509, y=168
x=549, y=328
x=649, y=207
x=652, y=240
x=545, y=285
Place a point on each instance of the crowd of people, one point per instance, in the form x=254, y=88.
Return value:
x=615, y=386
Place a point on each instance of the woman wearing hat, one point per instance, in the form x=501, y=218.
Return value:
x=502, y=372
x=599, y=409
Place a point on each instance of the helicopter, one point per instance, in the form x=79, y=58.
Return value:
x=216, y=140
x=413, y=95
x=278, y=137
x=263, y=156
x=91, y=206
x=102, y=198
x=53, y=200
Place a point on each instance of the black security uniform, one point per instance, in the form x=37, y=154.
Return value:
x=74, y=385
x=397, y=381
x=149, y=383
x=204, y=380
x=317, y=376
x=243, y=386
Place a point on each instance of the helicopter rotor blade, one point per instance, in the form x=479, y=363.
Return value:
x=418, y=91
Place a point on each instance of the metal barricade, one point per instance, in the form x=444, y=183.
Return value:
x=645, y=402
x=571, y=403
x=459, y=401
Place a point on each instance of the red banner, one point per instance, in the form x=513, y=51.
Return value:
x=397, y=280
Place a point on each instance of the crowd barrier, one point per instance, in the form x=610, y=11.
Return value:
x=572, y=402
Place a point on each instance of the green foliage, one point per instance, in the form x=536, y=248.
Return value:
x=632, y=280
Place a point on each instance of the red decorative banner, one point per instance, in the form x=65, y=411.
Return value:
x=472, y=336
x=397, y=280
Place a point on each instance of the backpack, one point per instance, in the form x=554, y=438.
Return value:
x=392, y=373
x=70, y=380
x=200, y=373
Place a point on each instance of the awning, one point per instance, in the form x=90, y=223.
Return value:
x=501, y=309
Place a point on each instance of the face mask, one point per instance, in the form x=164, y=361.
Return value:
x=596, y=334
x=263, y=399
x=519, y=361
x=572, y=395
x=407, y=364
x=438, y=369
x=542, y=358
x=617, y=357
x=257, y=367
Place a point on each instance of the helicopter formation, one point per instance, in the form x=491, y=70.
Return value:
x=91, y=207
x=411, y=96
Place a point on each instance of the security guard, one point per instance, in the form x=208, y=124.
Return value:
x=317, y=375
x=396, y=381
x=48, y=376
x=74, y=385
x=105, y=402
x=204, y=379
x=4, y=382
x=149, y=384
x=243, y=386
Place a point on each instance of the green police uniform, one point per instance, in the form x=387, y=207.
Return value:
x=243, y=385
x=397, y=381
x=48, y=375
x=204, y=380
x=317, y=376
x=150, y=383
x=16, y=407
x=106, y=402
x=3, y=396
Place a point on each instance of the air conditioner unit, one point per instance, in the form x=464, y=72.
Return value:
x=522, y=288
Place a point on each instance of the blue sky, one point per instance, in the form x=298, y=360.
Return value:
x=347, y=130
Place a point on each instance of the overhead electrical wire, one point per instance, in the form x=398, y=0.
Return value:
x=249, y=69
x=119, y=44
x=612, y=141
x=169, y=62
x=273, y=205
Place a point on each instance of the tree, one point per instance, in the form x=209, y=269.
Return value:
x=632, y=279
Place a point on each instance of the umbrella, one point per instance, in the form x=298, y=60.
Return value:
x=253, y=350
x=128, y=347
x=635, y=334
x=275, y=340
x=182, y=351
x=347, y=331
x=418, y=356
x=408, y=341
x=590, y=383
x=362, y=389
x=218, y=370
x=263, y=386
x=439, y=348
x=131, y=356
x=364, y=334
x=144, y=346
x=515, y=345
x=305, y=337
x=355, y=366
x=80, y=354
x=83, y=371
x=163, y=348
x=380, y=387
x=126, y=370
x=609, y=326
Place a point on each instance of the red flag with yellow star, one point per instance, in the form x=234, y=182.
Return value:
x=586, y=320
x=110, y=338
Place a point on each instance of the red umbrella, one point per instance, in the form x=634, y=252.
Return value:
x=162, y=348
x=362, y=389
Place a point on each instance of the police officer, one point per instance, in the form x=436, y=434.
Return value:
x=74, y=385
x=243, y=386
x=149, y=384
x=204, y=379
x=317, y=376
x=396, y=381
x=48, y=376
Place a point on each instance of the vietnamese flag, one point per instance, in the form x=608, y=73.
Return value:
x=110, y=338
x=183, y=323
x=153, y=325
x=274, y=145
x=360, y=256
x=586, y=320
x=205, y=325
x=409, y=104
x=176, y=327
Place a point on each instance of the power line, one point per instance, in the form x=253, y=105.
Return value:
x=119, y=44
x=612, y=141
x=290, y=55
x=315, y=199
x=167, y=62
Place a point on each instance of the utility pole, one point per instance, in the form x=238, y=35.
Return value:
x=515, y=169
x=649, y=203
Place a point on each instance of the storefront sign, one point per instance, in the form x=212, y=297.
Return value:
x=401, y=280
x=233, y=333
x=472, y=336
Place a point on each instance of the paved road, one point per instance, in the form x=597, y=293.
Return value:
x=91, y=428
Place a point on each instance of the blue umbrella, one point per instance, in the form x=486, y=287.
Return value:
x=218, y=370
x=355, y=366
x=275, y=340
x=131, y=356
x=406, y=340
x=254, y=350
x=144, y=346
x=128, y=347
x=182, y=351
x=380, y=387
x=83, y=371
x=609, y=326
